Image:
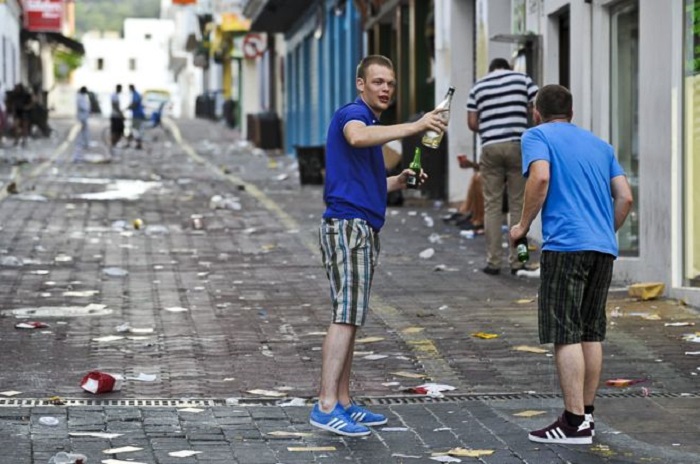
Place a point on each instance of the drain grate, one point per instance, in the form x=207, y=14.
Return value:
x=375, y=400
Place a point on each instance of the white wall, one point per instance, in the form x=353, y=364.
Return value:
x=9, y=36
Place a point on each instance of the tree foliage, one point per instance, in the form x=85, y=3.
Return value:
x=109, y=15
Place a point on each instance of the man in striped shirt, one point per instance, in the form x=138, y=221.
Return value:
x=497, y=109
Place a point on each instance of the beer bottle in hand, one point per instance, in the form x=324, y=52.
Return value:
x=521, y=250
x=413, y=180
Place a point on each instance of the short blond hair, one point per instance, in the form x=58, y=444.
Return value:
x=367, y=61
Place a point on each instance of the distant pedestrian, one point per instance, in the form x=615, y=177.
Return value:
x=20, y=103
x=116, y=119
x=138, y=116
x=497, y=109
x=83, y=111
x=574, y=178
x=3, y=113
x=355, y=193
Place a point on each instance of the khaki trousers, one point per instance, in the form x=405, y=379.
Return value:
x=501, y=169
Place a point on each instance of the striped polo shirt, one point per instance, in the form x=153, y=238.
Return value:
x=501, y=99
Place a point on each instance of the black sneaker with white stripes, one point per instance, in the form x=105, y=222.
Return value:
x=563, y=433
x=591, y=422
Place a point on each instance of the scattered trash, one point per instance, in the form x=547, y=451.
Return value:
x=652, y=317
x=443, y=307
x=143, y=377
x=108, y=338
x=11, y=261
x=123, y=449
x=445, y=458
x=427, y=253
x=433, y=390
x=184, y=453
x=367, y=339
x=176, y=309
x=108, y=436
x=81, y=293
x=693, y=338
x=525, y=301
x=49, y=421
x=192, y=410
x=197, y=221
x=12, y=188
x=285, y=434
x=408, y=456
x=529, y=413
x=413, y=330
x=292, y=402
x=646, y=290
x=10, y=393
x=530, y=349
x=394, y=384
x=101, y=382
x=56, y=401
x=484, y=335
x=409, y=375
x=435, y=238
x=225, y=202
x=272, y=393
x=428, y=221
x=62, y=311
x=471, y=453
x=31, y=197
x=394, y=429
x=137, y=223
x=68, y=458
x=375, y=357
x=624, y=382
x=468, y=234
x=31, y=325
x=678, y=324
x=310, y=448
x=115, y=272
x=645, y=392
x=156, y=230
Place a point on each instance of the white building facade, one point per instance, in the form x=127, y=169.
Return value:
x=141, y=57
x=10, y=25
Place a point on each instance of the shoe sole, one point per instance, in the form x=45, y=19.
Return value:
x=562, y=441
x=338, y=432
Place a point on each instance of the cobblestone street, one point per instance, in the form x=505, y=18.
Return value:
x=218, y=292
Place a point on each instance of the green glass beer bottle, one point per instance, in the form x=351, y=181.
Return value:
x=415, y=166
x=521, y=250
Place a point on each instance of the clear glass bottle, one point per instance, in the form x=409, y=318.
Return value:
x=432, y=139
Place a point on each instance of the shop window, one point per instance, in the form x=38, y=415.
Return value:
x=624, y=91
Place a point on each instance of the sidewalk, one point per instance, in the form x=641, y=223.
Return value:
x=255, y=299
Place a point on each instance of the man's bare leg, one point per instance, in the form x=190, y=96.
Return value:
x=571, y=368
x=337, y=348
x=593, y=359
x=344, y=396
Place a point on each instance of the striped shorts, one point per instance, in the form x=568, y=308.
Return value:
x=350, y=252
x=573, y=294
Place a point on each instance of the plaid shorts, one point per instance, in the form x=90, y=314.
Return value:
x=350, y=251
x=573, y=294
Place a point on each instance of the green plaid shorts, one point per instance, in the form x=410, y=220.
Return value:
x=350, y=252
x=573, y=293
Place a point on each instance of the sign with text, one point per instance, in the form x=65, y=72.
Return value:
x=43, y=15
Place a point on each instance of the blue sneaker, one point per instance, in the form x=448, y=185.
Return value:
x=337, y=421
x=364, y=416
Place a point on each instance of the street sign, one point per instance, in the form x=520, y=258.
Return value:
x=254, y=45
x=43, y=15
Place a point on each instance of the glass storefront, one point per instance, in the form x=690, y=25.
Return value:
x=624, y=117
x=691, y=148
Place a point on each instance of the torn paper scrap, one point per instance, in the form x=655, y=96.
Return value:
x=484, y=335
x=183, y=453
x=123, y=449
x=144, y=377
x=108, y=436
x=283, y=433
x=273, y=393
x=472, y=453
x=192, y=410
x=409, y=375
x=530, y=349
x=311, y=448
x=529, y=413
x=369, y=340
x=9, y=393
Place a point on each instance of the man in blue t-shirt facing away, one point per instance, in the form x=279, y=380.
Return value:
x=574, y=178
x=356, y=189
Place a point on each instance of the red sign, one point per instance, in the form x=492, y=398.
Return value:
x=43, y=15
x=184, y=2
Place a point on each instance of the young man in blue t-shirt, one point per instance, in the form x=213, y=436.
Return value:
x=356, y=189
x=574, y=178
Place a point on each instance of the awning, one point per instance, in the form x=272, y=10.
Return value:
x=54, y=37
x=275, y=15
